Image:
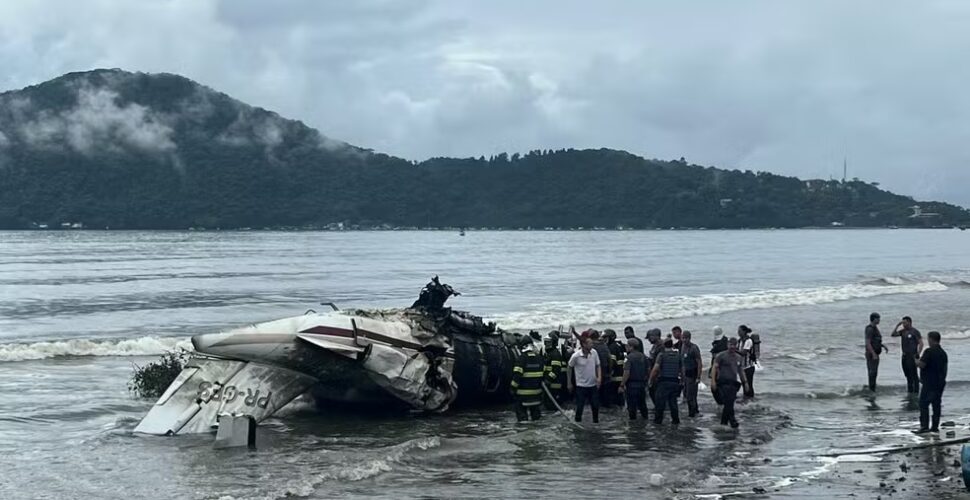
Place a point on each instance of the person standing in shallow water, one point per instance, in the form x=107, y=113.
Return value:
x=693, y=368
x=874, y=348
x=745, y=348
x=601, y=349
x=587, y=373
x=933, y=366
x=724, y=381
x=667, y=376
x=634, y=383
x=911, y=345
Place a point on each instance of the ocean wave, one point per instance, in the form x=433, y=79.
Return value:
x=852, y=391
x=141, y=346
x=605, y=312
x=361, y=470
x=807, y=354
x=954, y=335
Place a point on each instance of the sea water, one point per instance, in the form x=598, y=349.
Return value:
x=78, y=310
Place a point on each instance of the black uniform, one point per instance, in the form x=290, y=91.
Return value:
x=872, y=362
x=669, y=383
x=527, y=386
x=909, y=346
x=934, y=370
x=636, y=394
x=604, y=354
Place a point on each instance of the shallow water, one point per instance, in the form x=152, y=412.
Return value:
x=78, y=308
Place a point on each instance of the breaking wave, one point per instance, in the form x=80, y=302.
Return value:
x=142, y=346
x=851, y=391
x=806, y=354
x=364, y=469
x=550, y=314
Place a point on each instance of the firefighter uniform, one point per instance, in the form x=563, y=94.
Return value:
x=617, y=361
x=555, y=375
x=527, y=385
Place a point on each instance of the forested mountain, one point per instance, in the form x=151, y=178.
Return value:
x=109, y=148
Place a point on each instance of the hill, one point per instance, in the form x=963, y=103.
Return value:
x=109, y=148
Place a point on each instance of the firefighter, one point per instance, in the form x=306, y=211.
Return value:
x=555, y=375
x=617, y=359
x=527, y=382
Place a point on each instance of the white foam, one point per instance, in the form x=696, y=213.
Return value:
x=606, y=312
x=142, y=346
x=954, y=335
x=365, y=469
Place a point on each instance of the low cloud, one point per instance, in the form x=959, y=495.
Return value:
x=97, y=123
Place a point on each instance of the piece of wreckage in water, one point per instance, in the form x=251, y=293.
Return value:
x=427, y=357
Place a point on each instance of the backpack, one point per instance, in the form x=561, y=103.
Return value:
x=718, y=346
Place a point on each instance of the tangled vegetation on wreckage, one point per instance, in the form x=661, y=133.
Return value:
x=151, y=380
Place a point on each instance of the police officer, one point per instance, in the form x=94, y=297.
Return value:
x=527, y=382
x=668, y=377
x=617, y=358
x=554, y=372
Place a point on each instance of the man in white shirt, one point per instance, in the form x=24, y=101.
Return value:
x=745, y=345
x=588, y=374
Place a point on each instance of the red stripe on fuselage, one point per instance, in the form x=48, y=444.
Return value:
x=329, y=330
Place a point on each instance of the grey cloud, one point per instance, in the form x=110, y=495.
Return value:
x=761, y=85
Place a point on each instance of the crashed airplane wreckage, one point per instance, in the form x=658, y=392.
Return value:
x=427, y=357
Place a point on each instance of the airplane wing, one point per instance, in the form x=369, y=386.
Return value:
x=208, y=386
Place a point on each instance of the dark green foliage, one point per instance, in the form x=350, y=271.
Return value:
x=233, y=166
x=151, y=380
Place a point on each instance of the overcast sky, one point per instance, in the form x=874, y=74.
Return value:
x=787, y=87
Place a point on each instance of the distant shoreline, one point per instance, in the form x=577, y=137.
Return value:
x=468, y=230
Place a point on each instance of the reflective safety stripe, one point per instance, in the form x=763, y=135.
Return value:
x=530, y=403
x=613, y=357
x=515, y=384
x=528, y=392
x=555, y=362
x=555, y=386
x=517, y=369
x=617, y=379
x=532, y=375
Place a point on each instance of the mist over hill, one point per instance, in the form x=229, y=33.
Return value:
x=109, y=148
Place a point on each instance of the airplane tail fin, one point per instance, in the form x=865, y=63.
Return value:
x=208, y=387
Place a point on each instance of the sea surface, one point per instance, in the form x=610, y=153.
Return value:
x=78, y=310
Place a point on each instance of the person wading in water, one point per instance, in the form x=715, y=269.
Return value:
x=724, y=381
x=874, y=348
x=911, y=345
x=586, y=370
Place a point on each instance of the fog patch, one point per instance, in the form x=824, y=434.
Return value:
x=257, y=128
x=97, y=123
x=333, y=145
